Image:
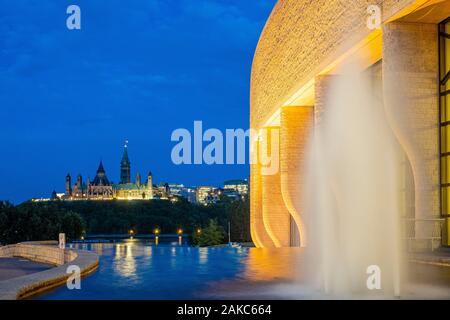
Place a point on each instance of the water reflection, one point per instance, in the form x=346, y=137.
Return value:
x=136, y=269
x=203, y=256
x=272, y=264
x=124, y=262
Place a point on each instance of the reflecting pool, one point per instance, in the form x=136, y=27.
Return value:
x=139, y=269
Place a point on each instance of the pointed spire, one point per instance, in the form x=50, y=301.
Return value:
x=125, y=159
x=100, y=167
x=125, y=166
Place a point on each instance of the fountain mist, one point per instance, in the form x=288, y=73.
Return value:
x=353, y=206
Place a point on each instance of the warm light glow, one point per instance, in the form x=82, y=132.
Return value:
x=156, y=231
x=180, y=231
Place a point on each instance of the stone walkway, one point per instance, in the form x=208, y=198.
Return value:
x=16, y=267
x=440, y=257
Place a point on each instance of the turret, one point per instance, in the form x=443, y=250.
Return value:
x=68, y=185
x=79, y=182
x=138, y=180
x=150, y=185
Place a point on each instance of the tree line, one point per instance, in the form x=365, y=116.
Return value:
x=33, y=221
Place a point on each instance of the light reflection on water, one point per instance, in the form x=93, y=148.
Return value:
x=137, y=269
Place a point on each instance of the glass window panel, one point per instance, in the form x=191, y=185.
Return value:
x=445, y=169
x=445, y=192
x=445, y=139
x=444, y=66
x=446, y=57
x=445, y=108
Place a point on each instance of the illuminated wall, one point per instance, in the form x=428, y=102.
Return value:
x=410, y=77
x=257, y=228
x=444, y=54
x=297, y=124
x=302, y=45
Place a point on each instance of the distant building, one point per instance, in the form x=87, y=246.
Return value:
x=101, y=188
x=238, y=186
x=190, y=194
x=205, y=195
x=176, y=189
x=162, y=191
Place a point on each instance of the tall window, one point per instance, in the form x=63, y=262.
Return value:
x=444, y=90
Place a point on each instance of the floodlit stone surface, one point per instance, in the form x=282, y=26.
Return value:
x=25, y=286
x=303, y=45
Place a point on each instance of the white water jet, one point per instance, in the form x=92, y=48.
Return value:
x=353, y=197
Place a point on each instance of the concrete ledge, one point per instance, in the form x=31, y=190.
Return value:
x=32, y=284
x=434, y=260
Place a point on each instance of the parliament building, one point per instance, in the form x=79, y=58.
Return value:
x=101, y=188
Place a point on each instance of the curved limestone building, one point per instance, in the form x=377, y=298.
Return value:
x=406, y=45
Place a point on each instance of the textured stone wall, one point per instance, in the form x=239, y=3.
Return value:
x=322, y=93
x=25, y=286
x=39, y=253
x=258, y=231
x=297, y=124
x=300, y=42
x=300, y=39
x=410, y=74
x=276, y=216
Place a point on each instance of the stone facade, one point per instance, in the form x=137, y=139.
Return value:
x=302, y=47
x=300, y=39
x=297, y=124
x=410, y=71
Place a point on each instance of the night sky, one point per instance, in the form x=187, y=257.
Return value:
x=137, y=70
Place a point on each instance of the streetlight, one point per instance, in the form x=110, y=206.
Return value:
x=180, y=237
x=156, y=231
x=131, y=232
x=199, y=231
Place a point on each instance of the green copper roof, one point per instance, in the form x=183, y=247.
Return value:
x=127, y=186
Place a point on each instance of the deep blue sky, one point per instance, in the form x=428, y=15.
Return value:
x=138, y=69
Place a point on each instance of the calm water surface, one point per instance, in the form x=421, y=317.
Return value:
x=135, y=269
